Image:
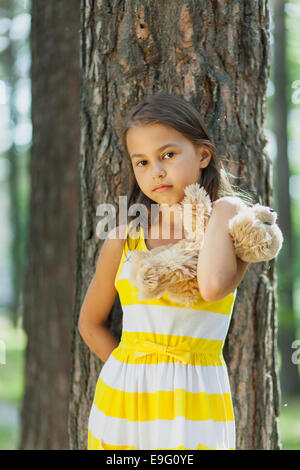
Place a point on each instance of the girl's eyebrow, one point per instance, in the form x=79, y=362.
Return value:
x=170, y=144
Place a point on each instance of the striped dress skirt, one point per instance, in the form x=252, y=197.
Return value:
x=166, y=385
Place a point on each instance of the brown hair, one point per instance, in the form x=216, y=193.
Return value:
x=176, y=112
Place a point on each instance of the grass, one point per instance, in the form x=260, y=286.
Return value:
x=9, y=439
x=289, y=424
x=11, y=382
x=12, y=386
x=11, y=373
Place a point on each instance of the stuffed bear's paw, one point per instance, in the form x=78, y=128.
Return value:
x=152, y=281
x=177, y=263
x=184, y=293
x=255, y=234
x=154, y=275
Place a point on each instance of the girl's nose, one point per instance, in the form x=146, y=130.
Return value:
x=158, y=170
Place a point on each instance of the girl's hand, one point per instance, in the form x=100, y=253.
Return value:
x=227, y=205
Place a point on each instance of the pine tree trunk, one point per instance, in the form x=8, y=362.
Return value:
x=216, y=54
x=51, y=263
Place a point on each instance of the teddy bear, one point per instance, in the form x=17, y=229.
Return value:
x=172, y=268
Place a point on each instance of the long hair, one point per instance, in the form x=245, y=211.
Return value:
x=176, y=112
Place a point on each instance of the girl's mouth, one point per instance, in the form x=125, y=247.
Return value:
x=162, y=188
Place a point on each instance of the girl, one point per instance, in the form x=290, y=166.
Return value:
x=165, y=385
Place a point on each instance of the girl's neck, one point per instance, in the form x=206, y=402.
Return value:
x=167, y=224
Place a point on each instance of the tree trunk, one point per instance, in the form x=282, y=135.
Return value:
x=216, y=54
x=50, y=279
x=14, y=174
x=8, y=64
x=288, y=371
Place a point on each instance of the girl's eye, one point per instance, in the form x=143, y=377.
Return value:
x=169, y=153
x=138, y=164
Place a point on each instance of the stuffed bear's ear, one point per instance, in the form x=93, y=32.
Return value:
x=195, y=194
x=196, y=211
x=266, y=214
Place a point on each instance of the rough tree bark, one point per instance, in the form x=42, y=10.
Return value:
x=51, y=264
x=216, y=54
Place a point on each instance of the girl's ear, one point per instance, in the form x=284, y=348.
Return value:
x=205, y=155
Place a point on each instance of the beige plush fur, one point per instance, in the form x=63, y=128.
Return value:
x=173, y=267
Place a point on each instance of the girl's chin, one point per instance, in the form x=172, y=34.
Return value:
x=164, y=197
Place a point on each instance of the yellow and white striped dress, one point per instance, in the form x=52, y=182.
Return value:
x=166, y=385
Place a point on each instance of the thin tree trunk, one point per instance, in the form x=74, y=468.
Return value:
x=50, y=279
x=16, y=230
x=9, y=62
x=216, y=54
x=289, y=374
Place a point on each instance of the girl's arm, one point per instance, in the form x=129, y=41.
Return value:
x=219, y=270
x=100, y=298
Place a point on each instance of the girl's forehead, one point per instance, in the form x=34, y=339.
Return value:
x=152, y=135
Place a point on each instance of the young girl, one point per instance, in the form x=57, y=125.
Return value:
x=165, y=385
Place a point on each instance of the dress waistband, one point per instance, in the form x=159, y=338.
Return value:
x=182, y=351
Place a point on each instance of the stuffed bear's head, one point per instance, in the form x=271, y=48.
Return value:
x=256, y=235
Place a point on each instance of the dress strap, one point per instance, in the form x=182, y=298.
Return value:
x=133, y=243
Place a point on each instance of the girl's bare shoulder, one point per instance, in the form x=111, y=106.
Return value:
x=111, y=250
x=118, y=233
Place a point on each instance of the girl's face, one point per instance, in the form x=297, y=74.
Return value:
x=162, y=155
